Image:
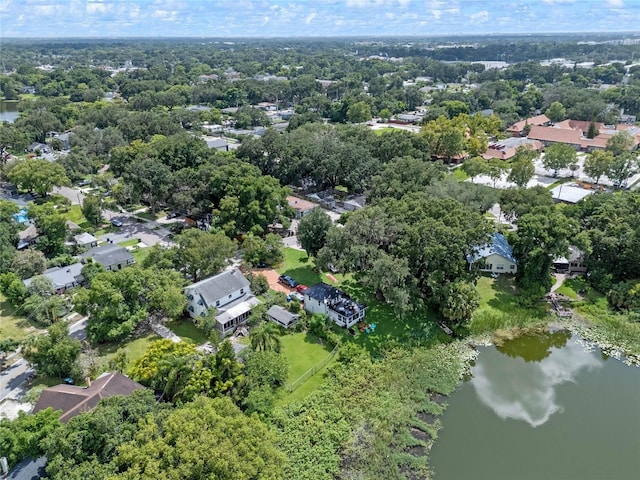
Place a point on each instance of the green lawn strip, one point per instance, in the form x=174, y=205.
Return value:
x=310, y=386
x=74, y=214
x=302, y=269
x=149, y=216
x=572, y=286
x=134, y=348
x=499, y=307
x=187, y=331
x=139, y=254
x=13, y=325
x=459, y=174
x=303, y=351
x=129, y=243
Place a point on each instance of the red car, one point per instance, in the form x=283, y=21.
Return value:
x=301, y=288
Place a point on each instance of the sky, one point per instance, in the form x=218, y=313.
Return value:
x=282, y=18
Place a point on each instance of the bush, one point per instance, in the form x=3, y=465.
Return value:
x=259, y=284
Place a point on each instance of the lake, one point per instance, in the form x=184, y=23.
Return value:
x=542, y=407
x=8, y=111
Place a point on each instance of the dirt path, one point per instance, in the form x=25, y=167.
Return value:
x=560, y=277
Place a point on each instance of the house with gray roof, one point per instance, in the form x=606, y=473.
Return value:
x=228, y=293
x=331, y=301
x=85, y=240
x=63, y=278
x=282, y=316
x=497, y=256
x=27, y=237
x=111, y=257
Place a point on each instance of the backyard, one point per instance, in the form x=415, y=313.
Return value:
x=13, y=325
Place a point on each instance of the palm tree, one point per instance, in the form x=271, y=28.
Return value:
x=265, y=337
x=175, y=372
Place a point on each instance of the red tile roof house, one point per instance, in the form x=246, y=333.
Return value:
x=507, y=148
x=517, y=129
x=571, y=132
x=74, y=400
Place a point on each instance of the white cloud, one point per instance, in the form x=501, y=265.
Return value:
x=310, y=17
x=557, y=2
x=529, y=394
x=615, y=3
x=479, y=17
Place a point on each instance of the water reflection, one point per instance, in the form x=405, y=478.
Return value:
x=525, y=390
x=536, y=347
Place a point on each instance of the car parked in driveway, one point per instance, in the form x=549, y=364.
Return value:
x=296, y=296
x=287, y=281
x=301, y=288
x=116, y=223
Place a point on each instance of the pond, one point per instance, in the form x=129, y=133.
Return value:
x=8, y=111
x=542, y=407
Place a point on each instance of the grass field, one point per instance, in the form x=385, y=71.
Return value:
x=499, y=307
x=302, y=269
x=74, y=214
x=129, y=243
x=139, y=254
x=134, y=349
x=303, y=351
x=187, y=331
x=13, y=325
x=571, y=286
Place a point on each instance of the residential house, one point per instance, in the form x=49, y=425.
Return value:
x=497, y=256
x=111, y=257
x=507, y=148
x=574, y=263
x=74, y=400
x=301, y=207
x=64, y=139
x=36, y=147
x=229, y=293
x=85, y=240
x=282, y=316
x=217, y=144
x=331, y=301
x=519, y=128
x=27, y=237
x=63, y=278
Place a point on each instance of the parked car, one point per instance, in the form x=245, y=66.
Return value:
x=301, y=288
x=116, y=223
x=296, y=296
x=287, y=281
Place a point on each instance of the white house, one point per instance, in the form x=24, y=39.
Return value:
x=328, y=300
x=229, y=293
x=497, y=255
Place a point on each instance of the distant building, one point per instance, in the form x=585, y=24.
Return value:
x=574, y=263
x=229, y=293
x=331, y=301
x=63, y=278
x=497, y=256
x=301, y=206
x=73, y=400
x=27, y=237
x=111, y=257
x=507, y=148
x=518, y=128
x=569, y=193
x=574, y=133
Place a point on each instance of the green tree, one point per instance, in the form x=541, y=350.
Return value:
x=556, y=112
x=558, y=156
x=51, y=226
x=201, y=254
x=21, y=438
x=622, y=167
x=597, y=164
x=620, y=143
x=593, y=130
x=28, y=263
x=92, y=209
x=359, y=112
x=148, y=370
x=312, y=230
x=238, y=446
x=474, y=166
x=265, y=337
x=461, y=299
x=495, y=169
x=38, y=175
x=55, y=354
x=522, y=171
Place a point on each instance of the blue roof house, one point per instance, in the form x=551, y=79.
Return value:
x=497, y=255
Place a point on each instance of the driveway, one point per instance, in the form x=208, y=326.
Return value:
x=272, y=278
x=131, y=228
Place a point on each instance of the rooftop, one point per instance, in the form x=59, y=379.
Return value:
x=73, y=400
x=299, y=204
x=219, y=286
x=497, y=245
x=61, y=276
x=569, y=193
x=107, y=255
x=281, y=315
x=334, y=298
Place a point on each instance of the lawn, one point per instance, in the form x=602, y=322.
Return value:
x=459, y=174
x=134, y=349
x=139, y=254
x=74, y=214
x=571, y=286
x=499, y=307
x=150, y=216
x=129, y=243
x=303, y=351
x=381, y=131
x=13, y=325
x=187, y=331
x=302, y=269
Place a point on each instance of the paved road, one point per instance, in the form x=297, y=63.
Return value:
x=14, y=376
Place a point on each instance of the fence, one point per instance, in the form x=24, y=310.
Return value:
x=312, y=371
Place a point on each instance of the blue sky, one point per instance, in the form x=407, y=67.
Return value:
x=256, y=18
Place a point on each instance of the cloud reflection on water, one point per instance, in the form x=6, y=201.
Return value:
x=526, y=391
